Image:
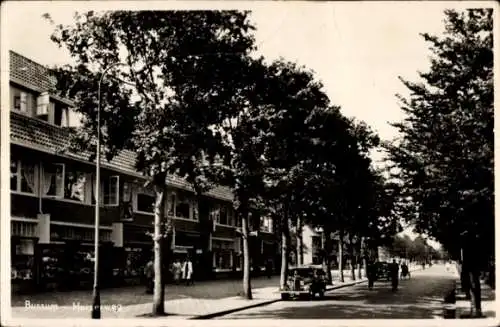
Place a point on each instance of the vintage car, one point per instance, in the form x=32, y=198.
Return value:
x=383, y=271
x=305, y=281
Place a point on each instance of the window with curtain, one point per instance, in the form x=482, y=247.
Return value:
x=23, y=177
x=28, y=178
x=14, y=175
x=53, y=179
x=266, y=224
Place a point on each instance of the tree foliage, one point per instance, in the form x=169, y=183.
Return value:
x=444, y=158
x=182, y=74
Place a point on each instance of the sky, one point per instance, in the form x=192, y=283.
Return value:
x=357, y=49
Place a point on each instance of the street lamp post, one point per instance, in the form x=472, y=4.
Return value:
x=96, y=302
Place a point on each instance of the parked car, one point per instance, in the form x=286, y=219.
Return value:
x=305, y=281
x=383, y=271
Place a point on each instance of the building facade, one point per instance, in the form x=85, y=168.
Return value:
x=53, y=203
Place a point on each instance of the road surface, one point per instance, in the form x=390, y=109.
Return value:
x=420, y=297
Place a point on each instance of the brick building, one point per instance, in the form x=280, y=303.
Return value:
x=53, y=202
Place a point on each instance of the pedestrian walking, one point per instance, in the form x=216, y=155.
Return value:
x=187, y=271
x=149, y=273
x=269, y=268
x=405, y=271
x=394, y=271
x=371, y=274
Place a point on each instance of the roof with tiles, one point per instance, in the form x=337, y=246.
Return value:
x=40, y=135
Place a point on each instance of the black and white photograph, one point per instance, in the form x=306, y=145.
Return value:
x=246, y=161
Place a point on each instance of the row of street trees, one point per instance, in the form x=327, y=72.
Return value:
x=443, y=159
x=192, y=99
x=416, y=250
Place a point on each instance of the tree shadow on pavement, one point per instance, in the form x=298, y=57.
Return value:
x=343, y=311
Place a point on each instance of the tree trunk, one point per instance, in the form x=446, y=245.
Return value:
x=298, y=234
x=341, y=257
x=159, y=290
x=362, y=251
x=247, y=284
x=326, y=258
x=352, y=258
x=284, y=251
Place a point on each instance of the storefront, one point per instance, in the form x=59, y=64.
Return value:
x=67, y=262
x=24, y=242
x=187, y=244
x=136, y=252
x=225, y=254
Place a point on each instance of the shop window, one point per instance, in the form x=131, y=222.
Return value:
x=53, y=180
x=23, y=177
x=223, y=254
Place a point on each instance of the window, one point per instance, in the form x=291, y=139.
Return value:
x=60, y=115
x=183, y=207
x=111, y=190
x=214, y=213
x=23, y=177
x=223, y=215
x=75, y=185
x=21, y=100
x=145, y=203
x=53, y=180
x=266, y=224
x=222, y=254
x=143, y=199
x=14, y=174
x=171, y=205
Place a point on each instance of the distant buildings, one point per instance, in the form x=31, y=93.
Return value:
x=53, y=200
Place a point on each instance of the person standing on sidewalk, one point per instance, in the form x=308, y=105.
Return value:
x=149, y=274
x=394, y=271
x=187, y=271
x=177, y=271
x=371, y=274
x=269, y=268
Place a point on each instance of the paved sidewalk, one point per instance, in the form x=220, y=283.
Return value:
x=179, y=308
x=463, y=307
x=186, y=308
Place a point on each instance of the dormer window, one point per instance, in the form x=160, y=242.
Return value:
x=21, y=101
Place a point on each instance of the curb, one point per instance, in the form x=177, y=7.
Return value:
x=260, y=304
x=226, y=312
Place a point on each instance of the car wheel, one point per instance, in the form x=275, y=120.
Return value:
x=285, y=296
